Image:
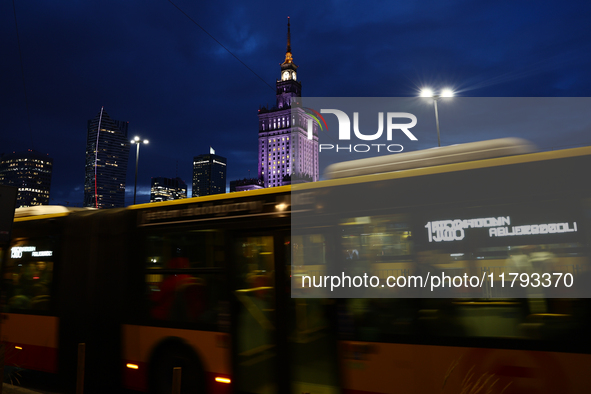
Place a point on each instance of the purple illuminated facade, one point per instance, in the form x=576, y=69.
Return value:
x=286, y=155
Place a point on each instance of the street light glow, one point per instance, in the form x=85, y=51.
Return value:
x=447, y=93
x=426, y=92
x=136, y=140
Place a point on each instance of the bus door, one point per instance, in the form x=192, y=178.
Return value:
x=312, y=317
x=281, y=344
x=257, y=347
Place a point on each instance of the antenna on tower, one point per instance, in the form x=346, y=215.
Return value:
x=288, y=37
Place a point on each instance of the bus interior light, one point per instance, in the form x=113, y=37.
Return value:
x=132, y=366
x=18, y=348
x=220, y=379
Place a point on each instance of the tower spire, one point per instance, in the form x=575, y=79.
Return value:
x=288, y=37
x=288, y=56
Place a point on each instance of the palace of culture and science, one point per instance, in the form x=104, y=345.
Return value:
x=286, y=155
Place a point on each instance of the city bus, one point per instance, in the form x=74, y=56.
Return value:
x=214, y=284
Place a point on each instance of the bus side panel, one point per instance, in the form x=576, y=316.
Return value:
x=392, y=368
x=30, y=347
x=140, y=341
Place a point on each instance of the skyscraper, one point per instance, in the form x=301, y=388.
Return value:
x=30, y=171
x=107, y=153
x=209, y=174
x=285, y=152
x=165, y=189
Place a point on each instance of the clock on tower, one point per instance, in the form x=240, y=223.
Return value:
x=288, y=87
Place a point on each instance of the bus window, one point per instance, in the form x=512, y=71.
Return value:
x=185, y=277
x=377, y=245
x=256, y=265
x=29, y=275
x=308, y=250
x=308, y=255
x=525, y=310
x=201, y=248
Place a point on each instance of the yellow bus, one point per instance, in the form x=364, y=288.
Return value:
x=213, y=284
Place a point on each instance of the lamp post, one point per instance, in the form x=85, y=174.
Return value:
x=136, y=140
x=444, y=93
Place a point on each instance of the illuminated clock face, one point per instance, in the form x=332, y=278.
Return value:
x=293, y=75
x=285, y=76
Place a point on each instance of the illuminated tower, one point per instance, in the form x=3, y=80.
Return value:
x=107, y=153
x=286, y=155
x=30, y=172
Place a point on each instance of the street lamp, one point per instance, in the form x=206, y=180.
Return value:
x=137, y=142
x=444, y=93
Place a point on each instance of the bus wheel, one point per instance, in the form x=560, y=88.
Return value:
x=165, y=359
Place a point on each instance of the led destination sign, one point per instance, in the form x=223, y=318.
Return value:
x=455, y=230
x=231, y=208
x=266, y=205
x=16, y=252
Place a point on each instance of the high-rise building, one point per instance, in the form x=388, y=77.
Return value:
x=165, y=189
x=30, y=171
x=285, y=152
x=107, y=153
x=209, y=174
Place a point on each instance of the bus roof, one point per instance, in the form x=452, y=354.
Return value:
x=443, y=168
x=45, y=210
x=430, y=157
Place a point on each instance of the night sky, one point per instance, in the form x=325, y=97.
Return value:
x=149, y=64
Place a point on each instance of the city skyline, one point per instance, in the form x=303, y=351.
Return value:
x=184, y=92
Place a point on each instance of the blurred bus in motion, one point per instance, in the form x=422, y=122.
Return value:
x=484, y=211
x=213, y=284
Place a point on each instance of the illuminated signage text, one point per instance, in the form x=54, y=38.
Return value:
x=454, y=230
